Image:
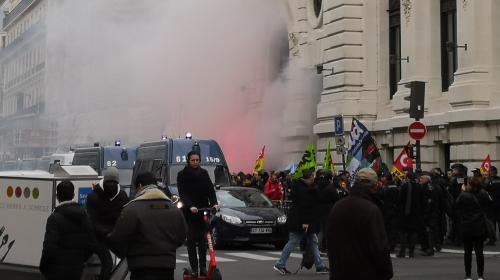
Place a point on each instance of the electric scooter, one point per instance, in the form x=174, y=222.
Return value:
x=213, y=273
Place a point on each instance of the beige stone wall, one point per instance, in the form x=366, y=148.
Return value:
x=352, y=36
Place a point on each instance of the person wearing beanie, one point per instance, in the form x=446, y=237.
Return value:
x=104, y=205
x=358, y=247
x=69, y=239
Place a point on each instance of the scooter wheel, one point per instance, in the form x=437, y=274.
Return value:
x=216, y=275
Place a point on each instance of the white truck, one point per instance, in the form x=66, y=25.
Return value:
x=25, y=204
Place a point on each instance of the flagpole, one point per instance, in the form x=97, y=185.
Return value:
x=343, y=161
x=417, y=145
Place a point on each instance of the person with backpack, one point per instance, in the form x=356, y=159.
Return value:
x=471, y=206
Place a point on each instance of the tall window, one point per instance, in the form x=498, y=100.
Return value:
x=394, y=46
x=317, y=7
x=448, y=42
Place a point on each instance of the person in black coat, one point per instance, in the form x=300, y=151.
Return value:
x=390, y=197
x=357, y=241
x=493, y=188
x=196, y=191
x=328, y=196
x=472, y=206
x=104, y=205
x=69, y=238
x=411, y=209
x=149, y=231
x=302, y=221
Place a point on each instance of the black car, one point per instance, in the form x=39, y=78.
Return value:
x=247, y=216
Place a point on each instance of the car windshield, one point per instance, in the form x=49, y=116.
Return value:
x=243, y=198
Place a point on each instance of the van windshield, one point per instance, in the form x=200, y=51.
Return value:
x=219, y=175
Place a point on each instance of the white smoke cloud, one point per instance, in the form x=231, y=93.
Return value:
x=137, y=70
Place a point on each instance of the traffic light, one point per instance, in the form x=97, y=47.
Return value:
x=416, y=98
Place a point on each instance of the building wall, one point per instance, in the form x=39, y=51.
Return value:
x=23, y=62
x=352, y=36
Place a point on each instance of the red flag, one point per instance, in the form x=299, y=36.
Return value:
x=402, y=162
x=485, y=167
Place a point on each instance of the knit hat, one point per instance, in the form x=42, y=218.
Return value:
x=111, y=174
x=367, y=174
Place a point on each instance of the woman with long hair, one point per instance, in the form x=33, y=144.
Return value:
x=472, y=204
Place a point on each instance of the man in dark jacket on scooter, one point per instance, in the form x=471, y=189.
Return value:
x=148, y=232
x=196, y=191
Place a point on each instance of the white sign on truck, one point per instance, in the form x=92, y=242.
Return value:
x=25, y=205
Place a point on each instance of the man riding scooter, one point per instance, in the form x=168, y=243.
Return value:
x=196, y=191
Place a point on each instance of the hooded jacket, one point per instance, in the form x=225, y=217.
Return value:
x=104, y=205
x=149, y=231
x=358, y=247
x=69, y=241
x=273, y=191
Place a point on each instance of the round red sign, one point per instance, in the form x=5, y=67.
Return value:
x=417, y=130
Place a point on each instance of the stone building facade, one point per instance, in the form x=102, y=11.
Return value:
x=376, y=47
x=24, y=132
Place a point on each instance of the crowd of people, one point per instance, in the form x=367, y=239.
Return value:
x=424, y=209
x=358, y=224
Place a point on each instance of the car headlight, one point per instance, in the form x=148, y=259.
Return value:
x=231, y=219
x=282, y=219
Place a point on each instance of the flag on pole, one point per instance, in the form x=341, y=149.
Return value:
x=308, y=161
x=402, y=162
x=362, y=150
x=485, y=167
x=328, y=161
x=259, y=163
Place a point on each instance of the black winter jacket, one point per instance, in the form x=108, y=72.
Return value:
x=358, y=247
x=195, y=190
x=149, y=231
x=414, y=220
x=470, y=213
x=103, y=211
x=328, y=196
x=304, y=209
x=493, y=188
x=69, y=241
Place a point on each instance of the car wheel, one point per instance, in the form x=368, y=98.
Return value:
x=216, y=240
x=279, y=245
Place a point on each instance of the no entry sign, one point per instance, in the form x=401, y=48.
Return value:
x=417, y=130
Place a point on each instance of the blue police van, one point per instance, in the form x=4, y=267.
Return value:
x=166, y=158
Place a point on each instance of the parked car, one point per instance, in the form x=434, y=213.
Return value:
x=247, y=216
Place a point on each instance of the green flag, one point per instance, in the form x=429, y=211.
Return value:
x=328, y=161
x=308, y=161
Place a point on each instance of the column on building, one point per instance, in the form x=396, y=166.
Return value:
x=421, y=44
x=474, y=95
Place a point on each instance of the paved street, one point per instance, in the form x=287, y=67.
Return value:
x=256, y=262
